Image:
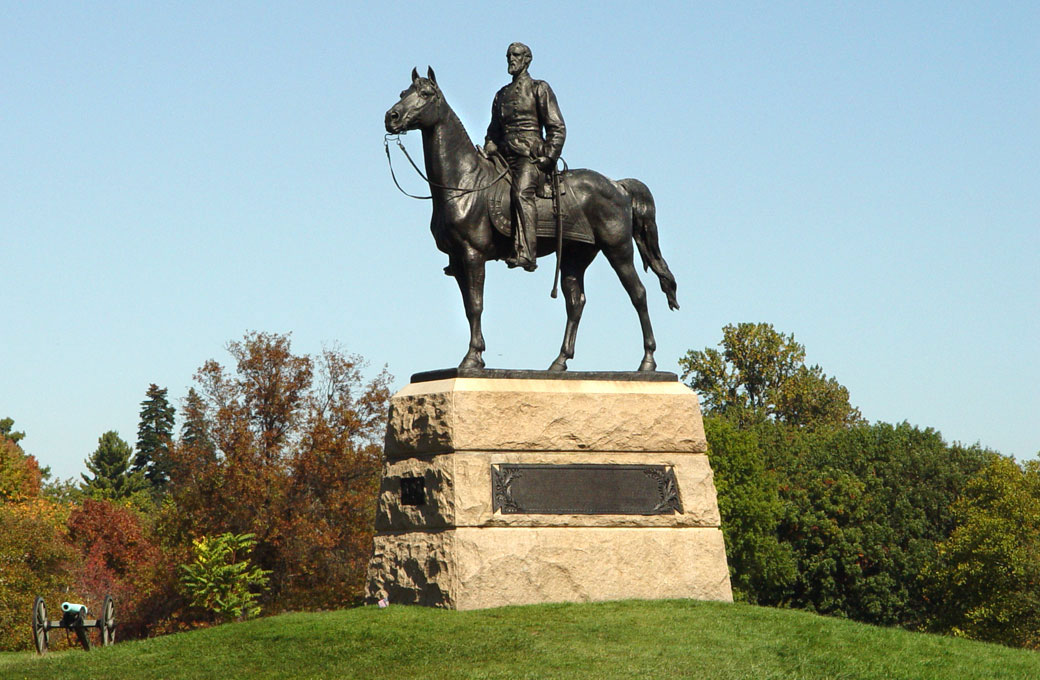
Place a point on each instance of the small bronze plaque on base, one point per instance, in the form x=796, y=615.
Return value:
x=413, y=491
x=585, y=489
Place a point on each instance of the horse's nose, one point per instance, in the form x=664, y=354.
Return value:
x=392, y=116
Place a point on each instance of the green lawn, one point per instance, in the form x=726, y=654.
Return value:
x=664, y=639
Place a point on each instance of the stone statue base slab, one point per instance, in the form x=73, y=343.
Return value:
x=524, y=374
x=499, y=491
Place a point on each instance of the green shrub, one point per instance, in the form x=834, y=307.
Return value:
x=220, y=578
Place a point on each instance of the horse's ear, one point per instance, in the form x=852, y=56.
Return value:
x=415, y=75
x=431, y=75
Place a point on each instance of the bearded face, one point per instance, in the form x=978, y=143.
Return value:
x=517, y=59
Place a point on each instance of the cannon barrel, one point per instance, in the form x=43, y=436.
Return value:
x=73, y=607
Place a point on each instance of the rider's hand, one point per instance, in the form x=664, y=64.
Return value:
x=545, y=164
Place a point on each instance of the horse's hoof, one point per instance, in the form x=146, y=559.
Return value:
x=470, y=362
x=648, y=365
x=558, y=366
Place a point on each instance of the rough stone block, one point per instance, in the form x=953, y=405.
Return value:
x=479, y=414
x=474, y=568
x=458, y=492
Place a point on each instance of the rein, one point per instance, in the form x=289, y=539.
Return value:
x=462, y=191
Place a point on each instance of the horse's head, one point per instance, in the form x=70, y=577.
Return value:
x=419, y=106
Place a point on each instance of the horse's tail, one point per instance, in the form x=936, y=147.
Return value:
x=644, y=231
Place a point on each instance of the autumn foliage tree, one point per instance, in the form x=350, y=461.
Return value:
x=285, y=447
x=35, y=559
x=119, y=557
x=19, y=472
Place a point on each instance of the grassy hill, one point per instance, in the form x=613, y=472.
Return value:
x=634, y=639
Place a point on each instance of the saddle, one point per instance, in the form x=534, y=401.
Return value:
x=576, y=226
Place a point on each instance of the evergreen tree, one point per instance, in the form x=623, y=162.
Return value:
x=154, y=436
x=110, y=466
x=7, y=431
x=195, y=431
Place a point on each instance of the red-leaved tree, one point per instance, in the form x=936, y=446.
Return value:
x=285, y=447
x=119, y=558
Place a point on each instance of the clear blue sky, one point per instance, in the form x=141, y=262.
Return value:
x=863, y=175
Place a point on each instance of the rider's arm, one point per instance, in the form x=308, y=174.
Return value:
x=551, y=119
x=494, y=131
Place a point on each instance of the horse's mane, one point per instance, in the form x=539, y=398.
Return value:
x=494, y=165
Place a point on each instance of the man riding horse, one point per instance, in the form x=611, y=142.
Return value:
x=620, y=215
x=520, y=110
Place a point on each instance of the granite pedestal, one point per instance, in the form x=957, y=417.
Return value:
x=524, y=487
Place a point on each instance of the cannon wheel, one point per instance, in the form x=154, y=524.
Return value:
x=108, y=622
x=39, y=626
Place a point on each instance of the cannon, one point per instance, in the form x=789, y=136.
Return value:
x=74, y=619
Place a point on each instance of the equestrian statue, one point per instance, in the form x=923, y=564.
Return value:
x=508, y=202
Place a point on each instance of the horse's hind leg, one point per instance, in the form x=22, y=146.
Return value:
x=620, y=258
x=576, y=260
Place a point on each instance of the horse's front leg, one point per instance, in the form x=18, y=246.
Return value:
x=471, y=284
x=572, y=268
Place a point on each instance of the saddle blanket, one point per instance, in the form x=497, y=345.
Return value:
x=575, y=225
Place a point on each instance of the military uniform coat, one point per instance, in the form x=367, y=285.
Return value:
x=519, y=112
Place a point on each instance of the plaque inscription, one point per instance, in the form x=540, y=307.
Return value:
x=413, y=491
x=585, y=489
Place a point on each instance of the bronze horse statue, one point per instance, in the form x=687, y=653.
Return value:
x=461, y=183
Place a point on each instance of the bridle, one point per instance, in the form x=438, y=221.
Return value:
x=462, y=192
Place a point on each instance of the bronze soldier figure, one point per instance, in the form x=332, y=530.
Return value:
x=520, y=110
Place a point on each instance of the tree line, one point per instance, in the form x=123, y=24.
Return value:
x=258, y=494
x=882, y=523
x=263, y=498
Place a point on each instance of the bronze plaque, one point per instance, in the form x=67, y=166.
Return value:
x=413, y=491
x=585, y=489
